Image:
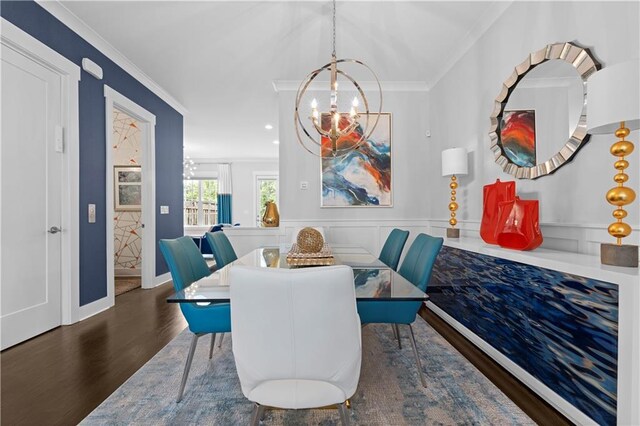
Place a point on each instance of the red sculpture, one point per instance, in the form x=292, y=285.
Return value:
x=518, y=224
x=494, y=194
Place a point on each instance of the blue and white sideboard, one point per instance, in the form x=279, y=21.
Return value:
x=565, y=325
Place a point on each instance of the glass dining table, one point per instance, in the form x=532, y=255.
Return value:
x=373, y=280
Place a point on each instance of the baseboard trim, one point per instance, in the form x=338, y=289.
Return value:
x=93, y=308
x=161, y=279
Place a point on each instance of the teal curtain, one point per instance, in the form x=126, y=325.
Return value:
x=224, y=208
x=224, y=193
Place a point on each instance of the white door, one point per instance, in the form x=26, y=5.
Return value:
x=30, y=212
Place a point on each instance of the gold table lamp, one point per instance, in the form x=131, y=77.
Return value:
x=454, y=163
x=614, y=108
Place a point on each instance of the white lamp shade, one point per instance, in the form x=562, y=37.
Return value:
x=613, y=95
x=454, y=161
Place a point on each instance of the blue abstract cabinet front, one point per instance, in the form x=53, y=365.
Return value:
x=561, y=328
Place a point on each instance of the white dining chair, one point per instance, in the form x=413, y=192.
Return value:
x=295, y=337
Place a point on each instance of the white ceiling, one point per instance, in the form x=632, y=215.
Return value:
x=219, y=59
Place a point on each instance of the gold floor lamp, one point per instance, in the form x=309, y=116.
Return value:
x=454, y=163
x=614, y=108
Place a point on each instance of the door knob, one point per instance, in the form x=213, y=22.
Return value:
x=54, y=230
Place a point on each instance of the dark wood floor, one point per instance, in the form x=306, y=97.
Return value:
x=60, y=376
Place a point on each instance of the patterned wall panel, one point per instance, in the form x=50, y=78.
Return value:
x=127, y=225
x=561, y=328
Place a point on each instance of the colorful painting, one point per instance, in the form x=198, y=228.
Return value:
x=362, y=177
x=518, y=137
x=128, y=188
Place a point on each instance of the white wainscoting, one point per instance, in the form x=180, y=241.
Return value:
x=370, y=234
x=573, y=238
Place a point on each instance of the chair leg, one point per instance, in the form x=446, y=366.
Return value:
x=415, y=352
x=187, y=367
x=344, y=414
x=213, y=342
x=397, y=333
x=258, y=412
x=220, y=341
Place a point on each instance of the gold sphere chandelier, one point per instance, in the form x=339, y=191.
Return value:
x=336, y=133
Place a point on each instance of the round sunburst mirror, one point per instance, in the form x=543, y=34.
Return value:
x=539, y=118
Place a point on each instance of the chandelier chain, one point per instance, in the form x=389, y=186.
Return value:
x=334, y=28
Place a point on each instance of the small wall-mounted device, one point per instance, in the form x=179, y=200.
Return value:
x=59, y=139
x=164, y=209
x=304, y=185
x=92, y=68
x=92, y=213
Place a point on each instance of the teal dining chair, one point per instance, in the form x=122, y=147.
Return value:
x=392, y=249
x=187, y=265
x=416, y=268
x=222, y=249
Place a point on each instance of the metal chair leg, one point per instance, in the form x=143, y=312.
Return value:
x=258, y=412
x=187, y=367
x=415, y=352
x=344, y=414
x=397, y=333
x=220, y=341
x=213, y=342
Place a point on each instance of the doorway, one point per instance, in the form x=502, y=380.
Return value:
x=130, y=195
x=38, y=171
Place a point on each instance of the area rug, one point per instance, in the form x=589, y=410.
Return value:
x=123, y=285
x=389, y=392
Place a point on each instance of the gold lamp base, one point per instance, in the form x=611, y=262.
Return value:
x=619, y=255
x=453, y=233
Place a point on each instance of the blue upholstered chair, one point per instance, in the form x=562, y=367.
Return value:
x=416, y=268
x=222, y=249
x=392, y=249
x=187, y=266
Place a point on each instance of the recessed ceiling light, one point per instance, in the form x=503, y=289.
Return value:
x=276, y=142
x=268, y=127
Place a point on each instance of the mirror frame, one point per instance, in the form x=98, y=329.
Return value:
x=584, y=63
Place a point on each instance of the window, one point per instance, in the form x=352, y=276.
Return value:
x=266, y=190
x=200, y=202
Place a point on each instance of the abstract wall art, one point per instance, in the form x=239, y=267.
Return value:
x=128, y=188
x=362, y=177
x=518, y=137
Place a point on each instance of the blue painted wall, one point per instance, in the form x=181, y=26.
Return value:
x=40, y=24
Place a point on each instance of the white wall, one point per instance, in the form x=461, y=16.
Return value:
x=409, y=150
x=462, y=101
x=242, y=177
x=244, y=196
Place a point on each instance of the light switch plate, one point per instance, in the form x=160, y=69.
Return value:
x=92, y=213
x=164, y=209
x=304, y=185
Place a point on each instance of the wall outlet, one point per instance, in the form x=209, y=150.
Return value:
x=304, y=185
x=164, y=209
x=92, y=213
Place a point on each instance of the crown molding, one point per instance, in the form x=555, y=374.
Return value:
x=77, y=25
x=323, y=86
x=490, y=16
